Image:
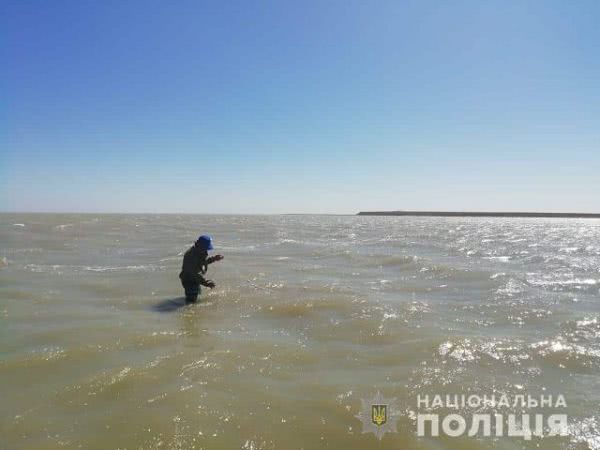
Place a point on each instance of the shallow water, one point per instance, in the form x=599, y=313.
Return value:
x=311, y=314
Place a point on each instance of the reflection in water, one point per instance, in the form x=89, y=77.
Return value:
x=169, y=305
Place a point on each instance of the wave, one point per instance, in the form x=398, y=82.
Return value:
x=585, y=431
x=373, y=260
x=583, y=330
x=393, y=261
x=63, y=226
x=557, y=352
x=504, y=259
x=563, y=282
x=307, y=308
x=562, y=353
x=133, y=268
x=60, y=268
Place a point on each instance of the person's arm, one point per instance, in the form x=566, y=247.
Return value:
x=204, y=282
x=213, y=259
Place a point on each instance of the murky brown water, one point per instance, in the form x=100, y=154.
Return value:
x=311, y=314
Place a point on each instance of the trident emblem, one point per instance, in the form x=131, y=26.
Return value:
x=379, y=414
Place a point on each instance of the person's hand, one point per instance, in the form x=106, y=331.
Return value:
x=218, y=257
x=209, y=283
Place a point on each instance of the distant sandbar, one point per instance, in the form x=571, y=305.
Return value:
x=480, y=214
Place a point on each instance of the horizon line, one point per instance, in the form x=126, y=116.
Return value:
x=427, y=213
x=533, y=214
x=180, y=213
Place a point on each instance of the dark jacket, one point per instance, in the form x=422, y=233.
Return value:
x=195, y=263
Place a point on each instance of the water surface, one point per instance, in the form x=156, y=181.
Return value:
x=311, y=314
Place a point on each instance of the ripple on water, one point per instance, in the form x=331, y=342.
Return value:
x=563, y=282
x=585, y=431
x=62, y=268
x=306, y=308
x=471, y=350
x=559, y=352
x=564, y=354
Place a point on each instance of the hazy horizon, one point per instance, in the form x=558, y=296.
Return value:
x=312, y=107
x=366, y=213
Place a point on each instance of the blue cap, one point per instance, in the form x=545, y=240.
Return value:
x=205, y=242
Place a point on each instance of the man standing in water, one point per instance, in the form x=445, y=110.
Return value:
x=195, y=264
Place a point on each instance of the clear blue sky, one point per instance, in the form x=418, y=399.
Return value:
x=299, y=106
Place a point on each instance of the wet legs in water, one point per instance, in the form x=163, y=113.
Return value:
x=191, y=292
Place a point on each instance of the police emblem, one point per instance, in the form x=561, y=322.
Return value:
x=378, y=415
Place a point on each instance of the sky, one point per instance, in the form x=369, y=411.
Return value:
x=262, y=107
